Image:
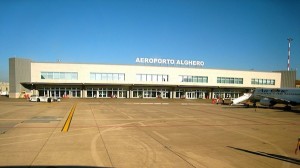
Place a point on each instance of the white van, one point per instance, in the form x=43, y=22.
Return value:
x=36, y=98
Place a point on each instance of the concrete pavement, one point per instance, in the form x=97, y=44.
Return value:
x=146, y=133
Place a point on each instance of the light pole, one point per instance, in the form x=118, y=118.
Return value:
x=289, y=53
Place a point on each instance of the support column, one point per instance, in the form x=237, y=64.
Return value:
x=127, y=94
x=83, y=91
x=131, y=94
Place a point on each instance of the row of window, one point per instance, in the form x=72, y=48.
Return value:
x=193, y=79
x=107, y=92
x=152, y=78
x=59, y=92
x=60, y=75
x=255, y=81
x=107, y=76
x=229, y=80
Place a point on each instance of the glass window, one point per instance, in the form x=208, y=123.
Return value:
x=110, y=77
x=222, y=80
x=165, y=78
x=149, y=77
x=241, y=81
x=144, y=77
x=195, y=79
x=98, y=76
x=74, y=76
x=154, y=78
x=104, y=77
x=200, y=79
x=159, y=78
x=50, y=75
x=115, y=77
x=185, y=79
x=44, y=75
x=56, y=75
x=107, y=76
x=226, y=80
x=273, y=82
x=68, y=76
x=263, y=81
x=62, y=75
x=121, y=77
x=92, y=76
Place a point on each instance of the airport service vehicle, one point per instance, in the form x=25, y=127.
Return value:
x=270, y=97
x=3, y=93
x=56, y=99
x=36, y=98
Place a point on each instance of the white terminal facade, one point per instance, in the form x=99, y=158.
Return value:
x=87, y=80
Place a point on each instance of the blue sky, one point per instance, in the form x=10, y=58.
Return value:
x=225, y=34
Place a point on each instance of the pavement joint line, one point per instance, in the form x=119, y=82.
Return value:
x=146, y=103
x=168, y=148
x=101, y=137
x=69, y=119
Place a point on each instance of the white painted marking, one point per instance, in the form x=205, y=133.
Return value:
x=179, y=115
x=127, y=115
x=161, y=136
x=148, y=103
x=142, y=124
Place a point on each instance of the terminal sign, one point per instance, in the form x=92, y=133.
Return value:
x=173, y=62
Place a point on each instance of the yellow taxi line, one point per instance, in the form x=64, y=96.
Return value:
x=69, y=119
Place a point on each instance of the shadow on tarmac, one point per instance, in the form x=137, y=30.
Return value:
x=269, y=155
x=275, y=108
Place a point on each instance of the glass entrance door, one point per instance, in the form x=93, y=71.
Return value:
x=190, y=95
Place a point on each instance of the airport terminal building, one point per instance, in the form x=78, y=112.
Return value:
x=141, y=80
